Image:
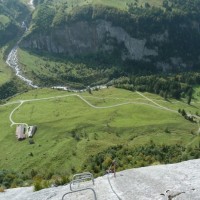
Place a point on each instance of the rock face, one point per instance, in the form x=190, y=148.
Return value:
x=179, y=181
x=85, y=38
x=167, y=43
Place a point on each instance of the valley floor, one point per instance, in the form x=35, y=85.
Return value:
x=179, y=181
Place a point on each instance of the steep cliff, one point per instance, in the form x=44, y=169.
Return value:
x=83, y=37
x=168, y=41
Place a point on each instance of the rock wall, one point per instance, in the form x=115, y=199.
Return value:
x=163, y=50
x=89, y=37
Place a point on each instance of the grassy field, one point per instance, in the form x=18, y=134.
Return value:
x=4, y=20
x=47, y=70
x=69, y=130
x=112, y=3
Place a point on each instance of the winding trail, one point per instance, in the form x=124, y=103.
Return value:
x=12, y=61
x=21, y=102
x=10, y=116
x=156, y=103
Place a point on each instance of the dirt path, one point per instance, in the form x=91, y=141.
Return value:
x=156, y=105
x=152, y=101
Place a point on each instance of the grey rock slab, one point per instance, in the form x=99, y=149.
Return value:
x=179, y=181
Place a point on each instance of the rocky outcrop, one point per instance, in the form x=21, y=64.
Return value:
x=162, y=182
x=168, y=48
x=82, y=38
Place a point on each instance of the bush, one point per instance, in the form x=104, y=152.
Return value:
x=139, y=156
x=167, y=130
x=2, y=189
x=39, y=183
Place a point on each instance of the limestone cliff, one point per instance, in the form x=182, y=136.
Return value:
x=84, y=37
x=165, y=41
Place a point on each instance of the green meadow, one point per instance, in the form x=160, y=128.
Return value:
x=112, y=3
x=4, y=20
x=46, y=70
x=70, y=129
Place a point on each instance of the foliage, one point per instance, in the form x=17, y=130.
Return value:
x=59, y=18
x=2, y=189
x=78, y=72
x=11, y=179
x=7, y=32
x=15, y=9
x=5, y=71
x=139, y=156
x=40, y=184
x=70, y=131
x=140, y=21
x=43, y=17
x=12, y=13
x=186, y=6
x=41, y=181
x=167, y=86
x=12, y=87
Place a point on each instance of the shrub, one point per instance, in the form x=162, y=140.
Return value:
x=40, y=183
x=64, y=180
x=37, y=184
x=2, y=189
x=167, y=130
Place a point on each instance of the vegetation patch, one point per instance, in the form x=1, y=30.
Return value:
x=46, y=70
x=141, y=156
x=72, y=136
x=168, y=86
x=12, y=87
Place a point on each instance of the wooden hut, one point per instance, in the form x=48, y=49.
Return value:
x=20, y=132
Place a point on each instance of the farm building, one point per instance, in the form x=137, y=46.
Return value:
x=20, y=132
x=31, y=131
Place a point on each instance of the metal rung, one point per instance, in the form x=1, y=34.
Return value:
x=95, y=196
x=78, y=178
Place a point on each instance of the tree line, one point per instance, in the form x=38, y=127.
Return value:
x=12, y=87
x=167, y=86
x=139, y=156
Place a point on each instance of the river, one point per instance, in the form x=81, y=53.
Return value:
x=12, y=61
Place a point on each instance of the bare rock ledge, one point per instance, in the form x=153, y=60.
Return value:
x=179, y=181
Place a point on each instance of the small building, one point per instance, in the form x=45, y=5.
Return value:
x=31, y=131
x=20, y=132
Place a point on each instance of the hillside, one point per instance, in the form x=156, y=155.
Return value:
x=82, y=131
x=81, y=43
x=147, y=36
x=12, y=14
x=176, y=181
x=150, y=48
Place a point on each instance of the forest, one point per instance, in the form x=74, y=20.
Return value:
x=168, y=86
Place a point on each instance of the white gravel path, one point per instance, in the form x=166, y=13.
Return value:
x=21, y=102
